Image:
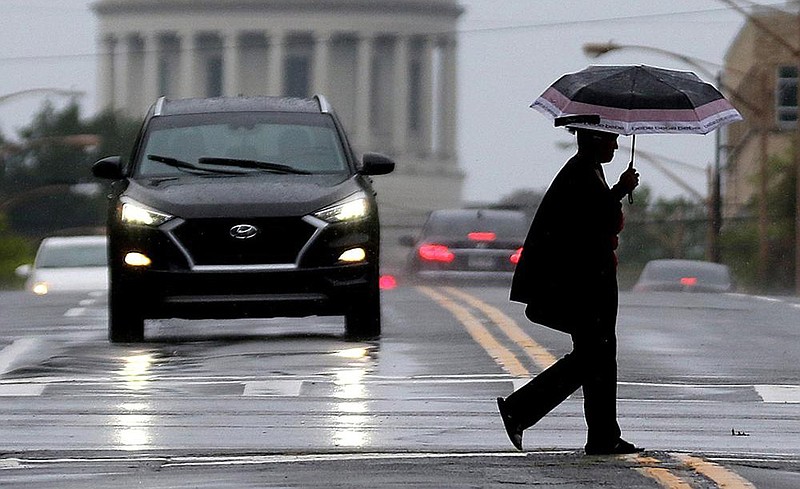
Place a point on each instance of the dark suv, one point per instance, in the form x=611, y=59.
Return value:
x=242, y=207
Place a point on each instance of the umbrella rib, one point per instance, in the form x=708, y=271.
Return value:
x=681, y=91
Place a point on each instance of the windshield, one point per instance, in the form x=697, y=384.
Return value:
x=72, y=255
x=511, y=224
x=305, y=143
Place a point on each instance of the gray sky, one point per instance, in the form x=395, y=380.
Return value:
x=509, y=52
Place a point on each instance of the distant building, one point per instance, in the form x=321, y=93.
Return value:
x=761, y=76
x=388, y=66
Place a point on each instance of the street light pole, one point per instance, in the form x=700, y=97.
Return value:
x=35, y=91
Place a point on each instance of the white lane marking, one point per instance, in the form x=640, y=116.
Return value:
x=10, y=354
x=780, y=394
x=11, y=464
x=75, y=312
x=786, y=394
x=324, y=457
x=290, y=388
x=768, y=299
x=21, y=390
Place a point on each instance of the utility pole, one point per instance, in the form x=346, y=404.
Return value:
x=797, y=167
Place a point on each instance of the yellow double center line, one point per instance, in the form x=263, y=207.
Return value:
x=448, y=298
x=666, y=478
x=451, y=299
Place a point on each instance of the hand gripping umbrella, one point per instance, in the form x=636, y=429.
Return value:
x=636, y=99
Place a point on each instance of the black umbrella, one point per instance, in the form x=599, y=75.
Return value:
x=636, y=99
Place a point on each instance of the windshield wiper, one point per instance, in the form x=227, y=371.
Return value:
x=185, y=165
x=259, y=165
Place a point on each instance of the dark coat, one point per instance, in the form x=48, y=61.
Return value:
x=567, y=271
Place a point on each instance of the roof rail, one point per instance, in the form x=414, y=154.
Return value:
x=324, y=106
x=159, y=105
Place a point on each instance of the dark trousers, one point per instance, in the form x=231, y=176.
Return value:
x=592, y=365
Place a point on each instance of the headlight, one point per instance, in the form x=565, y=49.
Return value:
x=40, y=288
x=136, y=213
x=350, y=209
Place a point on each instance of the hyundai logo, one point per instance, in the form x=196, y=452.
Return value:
x=243, y=231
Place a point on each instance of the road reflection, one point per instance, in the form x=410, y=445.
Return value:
x=133, y=430
x=350, y=424
x=135, y=372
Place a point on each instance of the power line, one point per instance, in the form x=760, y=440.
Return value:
x=477, y=30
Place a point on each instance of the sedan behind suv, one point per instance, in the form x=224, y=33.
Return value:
x=242, y=207
x=67, y=264
x=467, y=244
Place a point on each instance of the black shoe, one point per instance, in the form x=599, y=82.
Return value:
x=513, y=429
x=618, y=448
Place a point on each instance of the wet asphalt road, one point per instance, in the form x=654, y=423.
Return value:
x=708, y=383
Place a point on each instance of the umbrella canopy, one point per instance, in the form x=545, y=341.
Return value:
x=638, y=99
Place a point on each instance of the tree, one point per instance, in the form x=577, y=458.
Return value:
x=740, y=235
x=525, y=200
x=47, y=186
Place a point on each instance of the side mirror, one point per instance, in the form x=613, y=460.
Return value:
x=23, y=270
x=376, y=164
x=109, y=168
x=407, y=240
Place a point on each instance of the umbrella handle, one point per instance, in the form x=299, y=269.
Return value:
x=630, y=165
x=630, y=194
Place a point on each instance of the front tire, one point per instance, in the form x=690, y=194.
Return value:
x=363, y=320
x=125, y=319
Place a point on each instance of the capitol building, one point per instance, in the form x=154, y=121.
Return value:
x=387, y=66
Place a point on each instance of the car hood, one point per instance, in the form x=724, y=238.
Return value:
x=242, y=196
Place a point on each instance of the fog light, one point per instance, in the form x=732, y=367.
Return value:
x=40, y=288
x=353, y=255
x=136, y=259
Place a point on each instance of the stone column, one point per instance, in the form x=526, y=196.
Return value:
x=126, y=84
x=230, y=64
x=188, y=64
x=425, y=134
x=363, y=126
x=401, y=79
x=277, y=44
x=151, y=51
x=319, y=70
x=447, y=98
x=106, y=72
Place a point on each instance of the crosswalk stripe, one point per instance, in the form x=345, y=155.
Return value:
x=780, y=394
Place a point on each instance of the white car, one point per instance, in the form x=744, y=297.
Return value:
x=68, y=264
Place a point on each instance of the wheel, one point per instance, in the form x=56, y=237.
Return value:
x=125, y=319
x=363, y=320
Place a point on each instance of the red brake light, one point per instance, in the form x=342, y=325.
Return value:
x=436, y=252
x=476, y=236
x=689, y=281
x=515, y=257
x=387, y=282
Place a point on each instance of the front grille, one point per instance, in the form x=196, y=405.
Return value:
x=278, y=241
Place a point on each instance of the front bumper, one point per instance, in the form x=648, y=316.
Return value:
x=281, y=293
